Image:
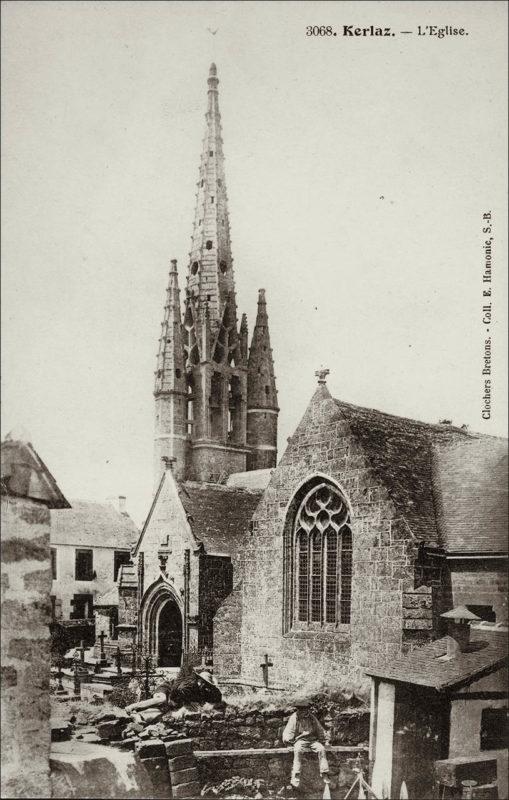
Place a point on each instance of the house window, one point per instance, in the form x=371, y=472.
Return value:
x=82, y=606
x=494, y=728
x=53, y=563
x=84, y=565
x=119, y=557
x=318, y=558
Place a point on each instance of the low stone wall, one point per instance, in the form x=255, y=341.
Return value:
x=236, y=729
x=274, y=768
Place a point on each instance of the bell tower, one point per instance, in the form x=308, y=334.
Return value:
x=202, y=419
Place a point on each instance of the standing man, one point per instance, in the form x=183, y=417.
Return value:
x=305, y=733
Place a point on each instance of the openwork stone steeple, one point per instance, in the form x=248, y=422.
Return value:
x=210, y=277
x=202, y=371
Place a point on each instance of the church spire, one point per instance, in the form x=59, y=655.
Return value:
x=210, y=276
x=262, y=407
x=169, y=375
x=170, y=389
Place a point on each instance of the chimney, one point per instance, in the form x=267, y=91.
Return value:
x=459, y=620
x=118, y=502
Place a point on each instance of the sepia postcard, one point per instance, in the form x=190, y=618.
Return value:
x=254, y=446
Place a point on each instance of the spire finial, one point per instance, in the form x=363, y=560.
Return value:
x=321, y=374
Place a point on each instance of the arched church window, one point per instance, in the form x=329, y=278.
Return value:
x=318, y=558
x=195, y=267
x=208, y=244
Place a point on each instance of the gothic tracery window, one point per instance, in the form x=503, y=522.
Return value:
x=318, y=552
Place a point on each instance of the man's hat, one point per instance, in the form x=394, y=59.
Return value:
x=206, y=676
x=302, y=703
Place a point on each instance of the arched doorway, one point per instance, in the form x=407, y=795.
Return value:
x=161, y=624
x=169, y=635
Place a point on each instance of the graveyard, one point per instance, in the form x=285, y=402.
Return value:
x=230, y=749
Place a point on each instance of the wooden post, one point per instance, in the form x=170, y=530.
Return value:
x=60, y=687
x=118, y=659
x=134, y=659
x=102, y=637
x=77, y=680
x=265, y=670
x=147, y=673
x=82, y=652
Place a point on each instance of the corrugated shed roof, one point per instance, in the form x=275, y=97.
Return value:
x=24, y=474
x=471, y=489
x=218, y=515
x=424, y=665
x=89, y=524
x=438, y=476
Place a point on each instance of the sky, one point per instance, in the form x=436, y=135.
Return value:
x=358, y=171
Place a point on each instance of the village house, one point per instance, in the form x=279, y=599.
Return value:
x=89, y=543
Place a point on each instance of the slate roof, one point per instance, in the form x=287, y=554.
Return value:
x=255, y=479
x=440, y=478
x=471, y=489
x=218, y=515
x=89, y=524
x=24, y=474
x=423, y=665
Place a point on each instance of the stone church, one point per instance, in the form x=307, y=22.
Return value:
x=215, y=443
x=339, y=558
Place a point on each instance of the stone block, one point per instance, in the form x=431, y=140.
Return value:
x=154, y=748
x=178, y=748
x=181, y=762
x=184, y=776
x=111, y=729
x=157, y=769
x=189, y=790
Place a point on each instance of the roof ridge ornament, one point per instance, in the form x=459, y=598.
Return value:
x=321, y=374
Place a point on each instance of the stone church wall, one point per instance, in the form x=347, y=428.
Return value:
x=227, y=628
x=383, y=559
x=26, y=615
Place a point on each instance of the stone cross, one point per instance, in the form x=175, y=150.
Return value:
x=118, y=660
x=265, y=670
x=321, y=374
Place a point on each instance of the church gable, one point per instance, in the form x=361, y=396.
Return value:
x=350, y=579
x=166, y=532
